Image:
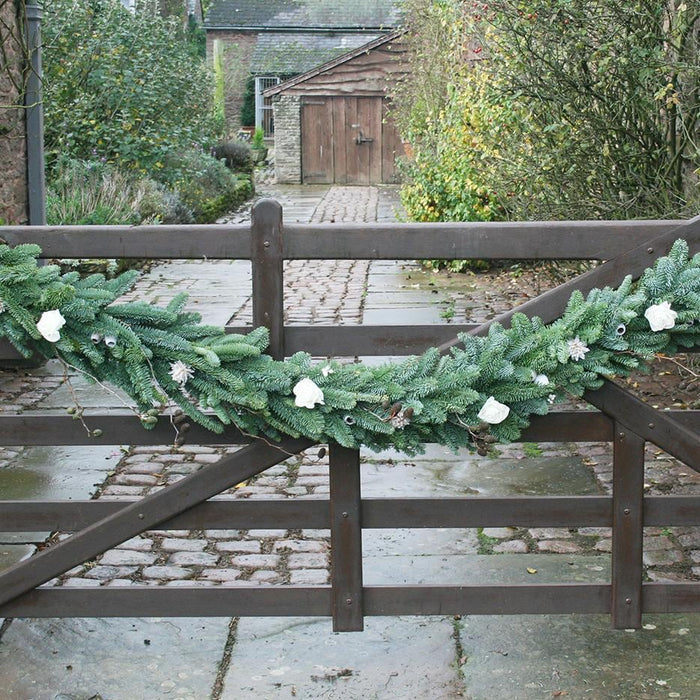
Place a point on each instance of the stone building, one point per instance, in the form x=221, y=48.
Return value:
x=13, y=146
x=333, y=124
x=256, y=44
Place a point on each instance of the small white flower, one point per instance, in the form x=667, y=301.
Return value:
x=180, y=372
x=493, y=411
x=541, y=379
x=325, y=371
x=307, y=394
x=49, y=324
x=577, y=349
x=661, y=316
x=551, y=398
x=2, y=307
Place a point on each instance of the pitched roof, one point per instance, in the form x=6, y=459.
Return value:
x=287, y=54
x=302, y=14
x=318, y=67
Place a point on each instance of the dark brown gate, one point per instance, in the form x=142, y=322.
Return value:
x=622, y=420
x=347, y=140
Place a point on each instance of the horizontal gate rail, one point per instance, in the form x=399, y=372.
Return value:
x=377, y=513
x=552, y=240
x=626, y=247
x=37, y=428
x=316, y=601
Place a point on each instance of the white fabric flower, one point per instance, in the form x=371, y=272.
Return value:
x=661, y=316
x=493, y=411
x=325, y=371
x=180, y=372
x=307, y=394
x=577, y=349
x=541, y=379
x=49, y=324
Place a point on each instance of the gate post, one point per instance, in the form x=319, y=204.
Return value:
x=267, y=259
x=628, y=528
x=346, y=539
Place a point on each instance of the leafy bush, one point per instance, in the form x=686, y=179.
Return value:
x=121, y=86
x=162, y=205
x=89, y=192
x=236, y=155
x=248, y=106
x=205, y=184
x=258, y=140
x=580, y=110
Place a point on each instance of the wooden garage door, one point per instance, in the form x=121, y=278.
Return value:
x=347, y=140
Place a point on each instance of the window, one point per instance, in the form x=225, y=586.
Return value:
x=263, y=105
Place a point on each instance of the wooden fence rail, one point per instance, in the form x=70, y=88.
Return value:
x=623, y=421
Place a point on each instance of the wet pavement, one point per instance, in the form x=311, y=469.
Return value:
x=474, y=657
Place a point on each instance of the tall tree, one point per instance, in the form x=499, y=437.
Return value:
x=579, y=109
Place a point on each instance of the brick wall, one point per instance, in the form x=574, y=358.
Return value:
x=13, y=147
x=237, y=48
x=287, y=110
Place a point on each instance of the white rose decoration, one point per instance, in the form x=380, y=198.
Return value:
x=493, y=411
x=541, y=379
x=49, y=324
x=307, y=394
x=661, y=316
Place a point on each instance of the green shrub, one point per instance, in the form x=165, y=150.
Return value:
x=161, y=205
x=258, y=138
x=248, y=107
x=236, y=155
x=205, y=184
x=121, y=86
x=90, y=192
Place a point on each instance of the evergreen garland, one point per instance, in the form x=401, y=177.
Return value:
x=480, y=393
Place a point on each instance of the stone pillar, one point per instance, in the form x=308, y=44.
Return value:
x=13, y=137
x=287, y=111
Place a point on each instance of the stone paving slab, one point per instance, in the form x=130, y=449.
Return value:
x=302, y=658
x=112, y=659
x=579, y=657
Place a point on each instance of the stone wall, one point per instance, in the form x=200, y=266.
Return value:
x=13, y=146
x=236, y=51
x=287, y=111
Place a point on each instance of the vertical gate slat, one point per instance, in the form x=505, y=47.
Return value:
x=346, y=539
x=267, y=272
x=628, y=528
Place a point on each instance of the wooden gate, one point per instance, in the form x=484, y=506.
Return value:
x=622, y=420
x=347, y=140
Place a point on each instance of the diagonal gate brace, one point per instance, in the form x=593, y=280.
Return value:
x=652, y=425
x=144, y=514
x=550, y=305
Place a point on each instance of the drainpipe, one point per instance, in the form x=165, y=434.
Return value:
x=35, y=118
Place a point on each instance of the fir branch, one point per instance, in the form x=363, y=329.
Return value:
x=165, y=355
